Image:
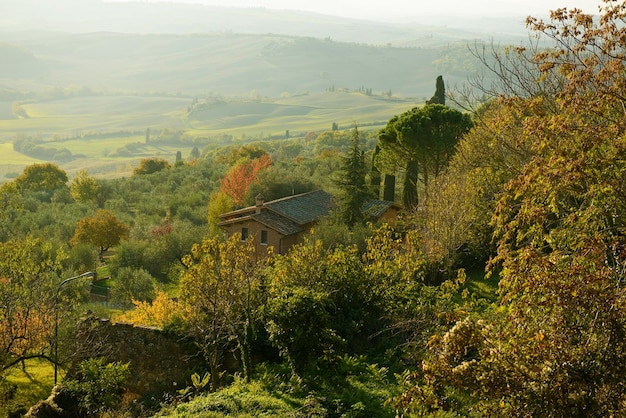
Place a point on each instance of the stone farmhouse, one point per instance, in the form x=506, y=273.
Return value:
x=282, y=223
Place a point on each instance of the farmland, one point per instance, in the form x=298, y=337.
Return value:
x=95, y=96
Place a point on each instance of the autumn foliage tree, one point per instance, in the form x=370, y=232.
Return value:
x=42, y=180
x=219, y=203
x=237, y=180
x=41, y=177
x=29, y=271
x=220, y=299
x=103, y=230
x=151, y=165
x=162, y=312
x=84, y=188
x=455, y=219
x=557, y=346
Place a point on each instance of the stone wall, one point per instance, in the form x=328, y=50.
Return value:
x=159, y=361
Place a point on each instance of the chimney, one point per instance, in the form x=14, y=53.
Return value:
x=260, y=200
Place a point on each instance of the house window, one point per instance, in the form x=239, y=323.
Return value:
x=263, y=237
x=244, y=234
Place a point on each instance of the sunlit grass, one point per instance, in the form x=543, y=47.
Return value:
x=240, y=400
x=357, y=389
x=33, y=384
x=74, y=116
x=481, y=286
x=107, y=133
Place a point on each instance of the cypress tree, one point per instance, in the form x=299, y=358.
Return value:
x=440, y=93
x=389, y=191
x=352, y=182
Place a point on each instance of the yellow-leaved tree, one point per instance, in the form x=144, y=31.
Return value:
x=556, y=346
x=29, y=274
x=162, y=312
x=220, y=298
x=103, y=230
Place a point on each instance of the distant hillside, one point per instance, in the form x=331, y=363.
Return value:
x=85, y=80
x=225, y=64
x=81, y=16
x=18, y=62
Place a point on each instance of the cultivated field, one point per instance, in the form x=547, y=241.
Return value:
x=97, y=94
x=107, y=134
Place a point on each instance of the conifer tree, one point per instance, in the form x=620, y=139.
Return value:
x=351, y=181
x=375, y=177
x=422, y=140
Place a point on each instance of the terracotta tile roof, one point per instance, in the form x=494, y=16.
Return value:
x=278, y=223
x=303, y=208
x=288, y=215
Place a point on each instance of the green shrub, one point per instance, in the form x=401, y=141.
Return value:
x=299, y=324
x=132, y=284
x=97, y=387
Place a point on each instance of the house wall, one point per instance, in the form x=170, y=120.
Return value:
x=290, y=241
x=390, y=216
x=254, y=229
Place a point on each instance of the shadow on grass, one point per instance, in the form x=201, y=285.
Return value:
x=32, y=384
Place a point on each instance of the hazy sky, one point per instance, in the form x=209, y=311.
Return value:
x=407, y=9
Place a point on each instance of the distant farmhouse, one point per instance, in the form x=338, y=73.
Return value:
x=282, y=223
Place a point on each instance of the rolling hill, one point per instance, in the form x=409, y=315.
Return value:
x=58, y=87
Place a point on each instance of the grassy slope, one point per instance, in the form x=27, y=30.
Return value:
x=301, y=113
x=354, y=389
x=120, y=120
x=89, y=114
x=229, y=64
x=33, y=385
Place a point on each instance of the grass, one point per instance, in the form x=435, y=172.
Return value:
x=103, y=272
x=481, y=287
x=239, y=400
x=32, y=385
x=12, y=163
x=352, y=388
x=73, y=116
x=10, y=157
x=299, y=114
x=68, y=123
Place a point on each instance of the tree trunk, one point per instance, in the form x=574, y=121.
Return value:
x=213, y=358
x=409, y=190
x=245, y=344
x=389, y=192
x=375, y=176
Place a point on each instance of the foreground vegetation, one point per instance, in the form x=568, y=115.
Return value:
x=363, y=319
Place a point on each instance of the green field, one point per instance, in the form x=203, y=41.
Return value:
x=96, y=94
x=73, y=116
x=107, y=134
x=310, y=112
